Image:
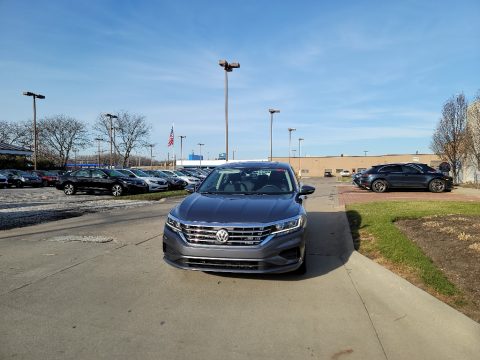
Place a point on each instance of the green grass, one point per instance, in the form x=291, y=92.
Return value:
x=378, y=220
x=153, y=196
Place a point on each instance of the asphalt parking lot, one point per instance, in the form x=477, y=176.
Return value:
x=27, y=206
x=63, y=296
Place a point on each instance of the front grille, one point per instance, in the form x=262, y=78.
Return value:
x=221, y=264
x=237, y=236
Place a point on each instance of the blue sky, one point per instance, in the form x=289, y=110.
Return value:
x=349, y=76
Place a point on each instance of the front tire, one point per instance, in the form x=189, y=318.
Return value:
x=19, y=184
x=379, y=186
x=117, y=190
x=437, y=186
x=69, y=189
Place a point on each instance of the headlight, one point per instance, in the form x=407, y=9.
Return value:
x=289, y=225
x=173, y=223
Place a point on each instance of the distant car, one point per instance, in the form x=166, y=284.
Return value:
x=345, y=173
x=327, y=174
x=48, y=178
x=381, y=178
x=20, y=178
x=174, y=183
x=189, y=179
x=3, y=181
x=154, y=183
x=100, y=180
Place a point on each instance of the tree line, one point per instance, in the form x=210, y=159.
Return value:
x=60, y=135
x=457, y=136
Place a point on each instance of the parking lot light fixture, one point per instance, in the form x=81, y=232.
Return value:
x=110, y=134
x=290, y=142
x=271, y=111
x=98, y=139
x=35, y=131
x=300, y=157
x=200, y=145
x=228, y=67
x=181, y=148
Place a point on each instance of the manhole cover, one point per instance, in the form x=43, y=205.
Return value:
x=82, y=238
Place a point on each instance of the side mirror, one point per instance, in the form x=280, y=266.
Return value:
x=306, y=190
x=191, y=188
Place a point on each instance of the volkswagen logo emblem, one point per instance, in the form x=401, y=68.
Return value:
x=222, y=235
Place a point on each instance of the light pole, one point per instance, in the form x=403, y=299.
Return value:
x=271, y=111
x=228, y=67
x=75, y=151
x=365, y=151
x=200, y=145
x=233, y=154
x=299, y=157
x=98, y=156
x=35, y=132
x=110, y=131
x=151, y=155
x=290, y=142
x=181, y=147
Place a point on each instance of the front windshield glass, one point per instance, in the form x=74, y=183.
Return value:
x=139, y=173
x=178, y=173
x=113, y=173
x=248, y=181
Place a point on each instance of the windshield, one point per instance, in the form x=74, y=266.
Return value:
x=248, y=181
x=113, y=173
x=178, y=173
x=139, y=173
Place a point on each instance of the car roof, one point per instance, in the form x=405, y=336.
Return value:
x=256, y=164
x=406, y=163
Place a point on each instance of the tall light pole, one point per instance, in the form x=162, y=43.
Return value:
x=228, y=67
x=151, y=155
x=200, y=145
x=35, y=132
x=233, y=154
x=110, y=133
x=271, y=111
x=365, y=151
x=290, y=142
x=181, y=147
x=98, y=139
x=299, y=157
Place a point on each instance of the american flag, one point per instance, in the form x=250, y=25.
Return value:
x=171, y=138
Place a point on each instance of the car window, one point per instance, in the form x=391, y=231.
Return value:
x=410, y=169
x=81, y=173
x=390, y=168
x=113, y=173
x=97, y=174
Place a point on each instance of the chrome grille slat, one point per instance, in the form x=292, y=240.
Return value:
x=238, y=236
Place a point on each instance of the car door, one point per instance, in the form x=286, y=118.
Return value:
x=393, y=174
x=81, y=178
x=100, y=180
x=413, y=177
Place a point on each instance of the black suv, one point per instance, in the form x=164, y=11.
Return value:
x=380, y=178
x=100, y=179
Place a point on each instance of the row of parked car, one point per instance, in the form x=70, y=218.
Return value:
x=381, y=178
x=116, y=181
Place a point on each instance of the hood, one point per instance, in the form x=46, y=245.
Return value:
x=237, y=208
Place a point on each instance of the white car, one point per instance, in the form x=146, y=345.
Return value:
x=154, y=183
x=189, y=179
x=344, y=173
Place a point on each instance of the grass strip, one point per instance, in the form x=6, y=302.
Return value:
x=154, y=196
x=377, y=219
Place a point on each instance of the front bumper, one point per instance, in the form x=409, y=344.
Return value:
x=157, y=187
x=280, y=254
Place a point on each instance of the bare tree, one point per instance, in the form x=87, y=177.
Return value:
x=449, y=139
x=473, y=130
x=131, y=129
x=17, y=133
x=59, y=134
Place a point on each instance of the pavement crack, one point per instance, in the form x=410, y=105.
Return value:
x=144, y=241
x=348, y=271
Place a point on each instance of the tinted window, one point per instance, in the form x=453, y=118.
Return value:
x=390, y=168
x=97, y=174
x=113, y=173
x=81, y=173
x=410, y=169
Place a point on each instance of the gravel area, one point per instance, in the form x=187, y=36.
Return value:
x=29, y=206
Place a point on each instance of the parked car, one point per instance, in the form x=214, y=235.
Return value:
x=3, y=181
x=48, y=178
x=20, y=178
x=327, y=174
x=345, y=173
x=189, y=179
x=193, y=173
x=381, y=178
x=244, y=217
x=100, y=180
x=154, y=183
x=174, y=183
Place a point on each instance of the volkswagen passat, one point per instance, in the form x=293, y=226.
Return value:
x=244, y=217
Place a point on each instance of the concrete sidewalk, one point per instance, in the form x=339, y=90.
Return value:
x=118, y=300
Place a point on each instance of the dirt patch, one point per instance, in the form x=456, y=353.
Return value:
x=453, y=244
